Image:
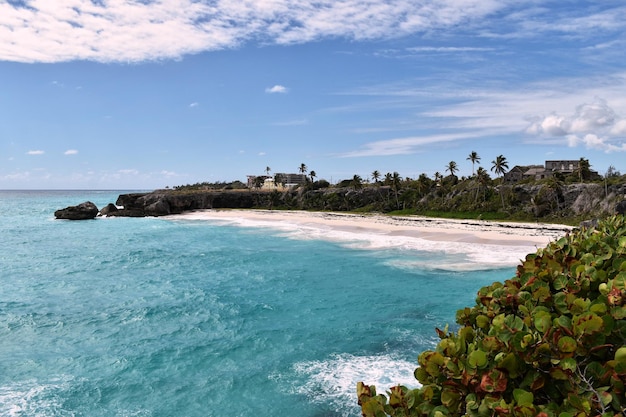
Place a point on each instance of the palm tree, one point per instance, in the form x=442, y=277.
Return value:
x=395, y=185
x=267, y=170
x=555, y=185
x=500, y=165
x=279, y=179
x=424, y=183
x=376, y=176
x=583, y=170
x=474, y=158
x=452, y=168
x=482, y=176
x=303, y=168
x=312, y=174
x=357, y=182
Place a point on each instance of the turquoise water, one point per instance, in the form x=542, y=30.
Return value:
x=163, y=317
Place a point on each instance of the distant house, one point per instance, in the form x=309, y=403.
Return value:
x=539, y=172
x=519, y=172
x=515, y=174
x=291, y=180
x=565, y=167
x=278, y=181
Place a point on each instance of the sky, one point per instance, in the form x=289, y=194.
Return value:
x=144, y=94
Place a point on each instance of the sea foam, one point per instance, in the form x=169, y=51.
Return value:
x=454, y=256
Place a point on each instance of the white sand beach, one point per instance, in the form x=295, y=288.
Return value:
x=427, y=228
x=459, y=245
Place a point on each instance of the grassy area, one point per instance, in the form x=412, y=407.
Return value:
x=472, y=215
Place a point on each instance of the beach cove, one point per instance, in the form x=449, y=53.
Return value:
x=179, y=315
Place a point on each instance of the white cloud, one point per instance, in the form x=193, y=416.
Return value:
x=168, y=174
x=128, y=172
x=71, y=152
x=403, y=146
x=276, y=89
x=35, y=152
x=534, y=113
x=194, y=104
x=449, y=49
x=594, y=125
x=124, y=31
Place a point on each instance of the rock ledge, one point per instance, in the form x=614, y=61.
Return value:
x=83, y=211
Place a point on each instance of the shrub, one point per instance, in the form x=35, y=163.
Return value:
x=548, y=342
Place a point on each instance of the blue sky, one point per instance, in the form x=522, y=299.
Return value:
x=112, y=94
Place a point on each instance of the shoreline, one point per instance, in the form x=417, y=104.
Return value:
x=484, y=232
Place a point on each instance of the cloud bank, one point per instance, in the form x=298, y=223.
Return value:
x=134, y=31
x=595, y=125
x=545, y=113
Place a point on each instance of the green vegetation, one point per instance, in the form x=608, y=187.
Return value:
x=566, y=198
x=549, y=342
x=234, y=185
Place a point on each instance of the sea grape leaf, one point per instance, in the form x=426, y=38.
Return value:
x=587, y=324
x=568, y=364
x=560, y=282
x=477, y=359
x=560, y=302
x=523, y=397
x=567, y=344
x=542, y=321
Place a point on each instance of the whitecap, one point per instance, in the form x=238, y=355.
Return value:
x=333, y=381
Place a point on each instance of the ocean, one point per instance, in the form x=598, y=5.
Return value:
x=172, y=317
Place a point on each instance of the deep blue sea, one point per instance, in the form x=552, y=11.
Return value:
x=166, y=317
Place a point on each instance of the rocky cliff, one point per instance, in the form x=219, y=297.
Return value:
x=530, y=201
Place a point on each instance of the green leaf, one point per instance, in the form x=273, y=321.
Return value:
x=477, y=359
x=568, y=364
x=619, y=281
x=482, y=321
x=542, y=320
x=560, y=282
x=523, y=397
x=567, y=344
x=587, y=324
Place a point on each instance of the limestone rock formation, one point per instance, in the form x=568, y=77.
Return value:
x=108, y=209
x=83, y=211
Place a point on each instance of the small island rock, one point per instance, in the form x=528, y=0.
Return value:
x=108, y=209
x=83, y=211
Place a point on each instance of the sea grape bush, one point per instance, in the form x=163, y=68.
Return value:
x=550, y=341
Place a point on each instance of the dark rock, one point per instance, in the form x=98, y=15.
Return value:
x=108, y=209
x=83, y=211
x=127, y=213
x=159, y=208
x=621, y=207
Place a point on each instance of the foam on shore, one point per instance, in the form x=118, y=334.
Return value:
x=464, y=244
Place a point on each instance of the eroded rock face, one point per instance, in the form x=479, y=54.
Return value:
x=108, y=209
x=83, y=211
x=621, y=207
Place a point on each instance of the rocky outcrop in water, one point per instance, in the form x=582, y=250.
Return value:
x=108, y=209
x=83, y=211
